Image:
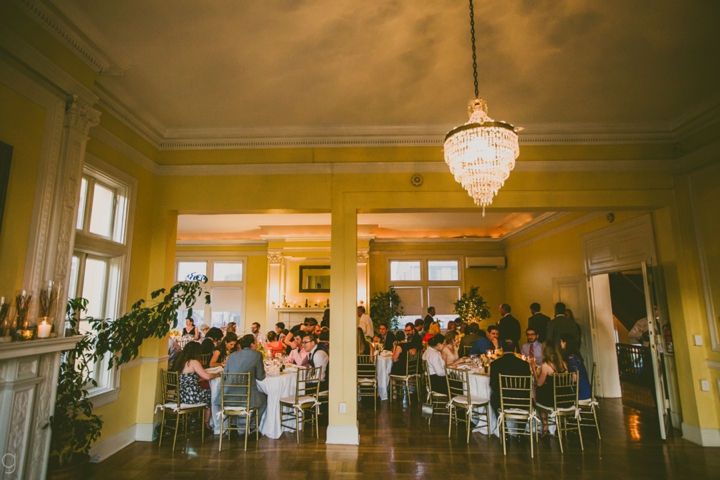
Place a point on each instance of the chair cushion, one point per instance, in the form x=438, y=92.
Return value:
x=367, y=381
x=302, y=400
x=236, y=410
x=184, y=406
x=585, y=403
x=461, y=399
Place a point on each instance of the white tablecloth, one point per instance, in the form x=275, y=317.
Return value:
x=275, y=388
x=480, y=388
x=383, y=366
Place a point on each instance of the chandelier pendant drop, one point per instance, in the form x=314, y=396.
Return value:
x=481, y=154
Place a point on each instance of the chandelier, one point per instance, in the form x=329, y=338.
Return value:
x=481, y=154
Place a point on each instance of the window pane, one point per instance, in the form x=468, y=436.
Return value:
x=221, y=319
x=403, y=271
x=94, y=287
x=186, y=268
x=442, y=270
x=101, y=213
x=74, y=270
x=226, y=306
x=81, y=206
x=227, y=272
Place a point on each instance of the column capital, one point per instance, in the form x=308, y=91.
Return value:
x=363, y=256
x=275, y=257
x=80, y=116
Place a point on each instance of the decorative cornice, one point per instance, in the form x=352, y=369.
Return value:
x=71, y=37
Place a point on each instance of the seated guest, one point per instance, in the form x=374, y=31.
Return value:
x=400, y=350
x=298, y=355
x=212, y=338
x=472, y=335
x=317, y=358
x=433, y=330
x=421, y=327
x=190, y=330
x=259, y=336
x=574, y=360
x=533, y=348
x=223, y=349
x=280, y=330
x=436, y=364
x=231, y=328
x=273, y=346
x=325, y=322
x=324, y=340
x=412, y=337
x=187, y=365
x=508, y=364
x=248, y=360
x=203, y=330
x=552, y=363
x=385, y=338
x=487, y=343
x=450, y=352
x=318, y=330
x=363, y=346
x=451, y=327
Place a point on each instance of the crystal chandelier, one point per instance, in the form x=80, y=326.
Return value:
x=481, y=154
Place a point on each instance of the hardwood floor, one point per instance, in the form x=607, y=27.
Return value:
x=396, y=442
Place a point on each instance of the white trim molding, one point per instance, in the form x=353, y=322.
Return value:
x=343, y=435
x=707, y=437
x=139, y=432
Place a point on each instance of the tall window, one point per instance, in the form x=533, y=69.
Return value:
x=226, y=284
x=99, y=263
x=425, y=282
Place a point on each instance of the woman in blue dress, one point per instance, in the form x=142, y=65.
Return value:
x=574, y=360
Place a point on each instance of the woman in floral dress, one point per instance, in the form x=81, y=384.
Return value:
x=190, y=371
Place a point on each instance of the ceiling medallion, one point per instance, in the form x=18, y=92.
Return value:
x=481, y=154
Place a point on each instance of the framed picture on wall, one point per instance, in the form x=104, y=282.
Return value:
x=5, y=158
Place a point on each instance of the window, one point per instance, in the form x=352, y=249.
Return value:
x=426, y=282
x=99, y=266
x=226, y=284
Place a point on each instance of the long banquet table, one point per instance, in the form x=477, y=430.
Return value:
x=275, y=388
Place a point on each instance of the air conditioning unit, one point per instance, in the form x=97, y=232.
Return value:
x=485, y=262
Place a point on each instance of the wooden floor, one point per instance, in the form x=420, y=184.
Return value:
x=397, y=443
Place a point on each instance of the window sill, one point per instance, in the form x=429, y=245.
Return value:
x=103, y=396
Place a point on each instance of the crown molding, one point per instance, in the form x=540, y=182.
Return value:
x=72, y=37
x=40, y=68
x=123, y=106
x=554, y=231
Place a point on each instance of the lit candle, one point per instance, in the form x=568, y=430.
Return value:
x=43, y=330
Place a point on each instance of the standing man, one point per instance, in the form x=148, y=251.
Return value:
x=508, y=325
x=365, y=322
x=259, y=336
x=538, y=322
x=430, y=317
x=533, y=348
x=562, y=324
x=248, y=360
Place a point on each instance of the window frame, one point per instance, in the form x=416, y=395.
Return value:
x=115, y=249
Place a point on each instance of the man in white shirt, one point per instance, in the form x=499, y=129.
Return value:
x=259, y=336
x=365, y=322
x=436, y=365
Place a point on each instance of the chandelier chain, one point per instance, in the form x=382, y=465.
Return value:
x=474, y=54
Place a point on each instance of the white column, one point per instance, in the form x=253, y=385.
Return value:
x=275, y=288
x=363, y=278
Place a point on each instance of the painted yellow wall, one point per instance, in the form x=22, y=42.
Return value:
x=256, y=297
x=21, y=126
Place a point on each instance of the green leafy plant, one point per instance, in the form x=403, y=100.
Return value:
x=74, y=426
x=472, y=307
x=385, y=307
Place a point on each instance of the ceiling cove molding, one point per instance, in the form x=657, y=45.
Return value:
x=554, y=231
x=99, y=133
x=144, y=125
x=36, y=64
x=71, y=37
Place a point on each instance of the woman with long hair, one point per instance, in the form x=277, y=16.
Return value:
x=400, y=349
x=363, y=346
x=450, y=352
x=187, y=365
x=433, y=330
x=575, y=363
x=552, y=363
x=190, y=329
x=223, y=350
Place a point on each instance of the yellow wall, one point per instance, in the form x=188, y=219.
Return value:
x=21, y=126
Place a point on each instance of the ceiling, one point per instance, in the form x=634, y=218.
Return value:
x=240, y=228
x=208, y=69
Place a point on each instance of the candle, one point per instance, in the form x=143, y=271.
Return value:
x=44, y=330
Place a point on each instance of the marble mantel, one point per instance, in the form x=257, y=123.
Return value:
x=293, y=316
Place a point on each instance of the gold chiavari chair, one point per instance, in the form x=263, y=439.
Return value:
x=404, y=381
x=172, y=398
x=588, y=408
x=304, y=406
x=565, y=406
x=367, y=378
x=438, y=400
x=461, y=399
x=235, y=389
x=516, y=408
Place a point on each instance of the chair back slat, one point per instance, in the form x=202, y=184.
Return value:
x=170, y=386
x=205, y=359
x=412, y=363
x=308, y=382
x=426, y=374
x=516, y=392
x=235, y=390
x=365, y=366
x=458, y=382
x=566, y=389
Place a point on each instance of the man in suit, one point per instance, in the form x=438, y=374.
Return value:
x=384, y=337
x=538, y=322
x=508, y=364
x=562, y=324
x=429, y=318
x=248, y=360
x=508, y=325
x=472, y=336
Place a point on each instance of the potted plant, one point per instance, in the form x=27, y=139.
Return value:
x=472, y=307
x=74, y=427
x=385, y=307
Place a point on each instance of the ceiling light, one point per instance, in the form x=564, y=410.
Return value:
x=481, y=154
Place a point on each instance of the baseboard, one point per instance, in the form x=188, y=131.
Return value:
x=343, y=435
x=111, y=445
x=140, y=432
x=707, y=437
